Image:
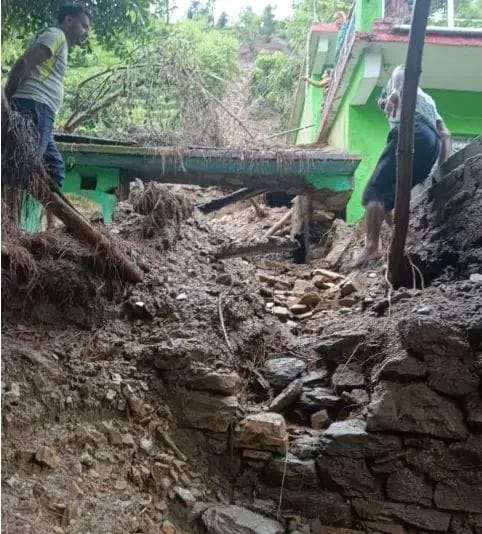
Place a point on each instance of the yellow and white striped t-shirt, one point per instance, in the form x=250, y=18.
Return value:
x=45, y=83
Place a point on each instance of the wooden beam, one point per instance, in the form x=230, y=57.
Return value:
x=221, y=202
x=413, y=68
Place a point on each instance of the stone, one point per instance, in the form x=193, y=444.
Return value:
x=328, y=506
x=414, y=408
x=336, y=348
x=47, y=456
x=321, y=283
x=315, y=399
x=310, y=299
x=145, y=445
x=335, y=530
x=207, y=411
x=349, y=476
x=303, y=286
x=281, y=312
x=345, y=379
x=330, y=275
x=168, y=527
x=413, y=515
x=262, y=456
x=13, y=395
x=120, y=485
x=298, y=309
x=320, y=419
x=185, y=495
x=406, y=486
x=476, y=277
x=350, y=438
x=400, y=368
x=347, y=287
x=474, y=412
x=377, y=527
x=291, y=472
x=216, y=382
x=128, y=440
x=356, y=397
x=306, y=446
x=264, y=431
x=86, y=459
x=280, y=372
x=445, y=352
x=315, y=378
x=455, y=494
x=273, y=280
x=233, y=519
x=287, y=396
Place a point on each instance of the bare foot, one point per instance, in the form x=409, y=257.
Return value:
x=367, y=255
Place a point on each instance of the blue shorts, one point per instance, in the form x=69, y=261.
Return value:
x=43, y=119
x=382, y=184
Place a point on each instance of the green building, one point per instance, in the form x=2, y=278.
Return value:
x=346, y=115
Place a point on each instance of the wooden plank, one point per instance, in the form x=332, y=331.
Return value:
x=221, y=202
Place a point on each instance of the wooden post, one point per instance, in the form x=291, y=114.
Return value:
x=413, y=67
x=300, y=225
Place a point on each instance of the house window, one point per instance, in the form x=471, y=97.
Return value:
x=88, y=182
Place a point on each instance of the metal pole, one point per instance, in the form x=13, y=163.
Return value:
x=413, y=67
x=450, y=14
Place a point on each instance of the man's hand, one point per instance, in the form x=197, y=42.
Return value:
x=393, y=104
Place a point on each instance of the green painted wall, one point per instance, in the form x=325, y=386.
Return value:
x=106, y=179
x=366, y=11
x=311, y=114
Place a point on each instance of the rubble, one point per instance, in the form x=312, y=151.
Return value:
x=47, y=456
x=263, y=431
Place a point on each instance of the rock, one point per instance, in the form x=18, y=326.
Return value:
x=262, y=456
x=13, y=396
x=120, y=485
x=349, y=476
x=185, y=495
x=315, y=399
x=310, y=299
x=416, y=516
x=345, y=379
x=280, y=372
x=264, y=431
x=406, y=486
x=287, y=396
x=476, y=277
x=214, y=381
x=320, y=420
x=356, y=396
x=335, y=349
x=328, y=506
x=347, y=288
x=303, y=286
x=414, y=408
x=445, y=353
x=145, y=445
x=341, y=236
x=298, y=309
x=47, y=456
x=321, y=283
x=297, y=474
x=400, y=368
x=208, y=412
x=281, y=312
x=177, y=353
x=306, y=446
x=238, y=520
x=168, y=527
x=377, y=527
x=86, y=459
x=350, y=438
x=474, y=412
x=347, y=302
x=330, y=275
x=335, y=530
x=455, y=494
x=273, y=280
x=128, y=440
x=315, y=378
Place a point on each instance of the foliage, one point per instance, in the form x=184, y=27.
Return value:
x=268, y=23
x=274, y=78
x=201, y=11
x=222, y=20
x=307, y=12
x=110, y=18
x=248, y=26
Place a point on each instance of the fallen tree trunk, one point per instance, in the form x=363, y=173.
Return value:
x=81, y=229
x=278, y=225
x=231, y=198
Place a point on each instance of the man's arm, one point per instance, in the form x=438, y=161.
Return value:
x=446, y=144
x=322, y=83
x=24, y=65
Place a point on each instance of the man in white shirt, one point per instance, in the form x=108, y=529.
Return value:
x=35, y=86
x=431, y=140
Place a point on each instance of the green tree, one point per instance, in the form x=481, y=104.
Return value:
x=222, y=20
x=268, y=23
x=249, y=27
x=201, y=11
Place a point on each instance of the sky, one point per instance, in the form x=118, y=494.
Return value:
x=233, y=7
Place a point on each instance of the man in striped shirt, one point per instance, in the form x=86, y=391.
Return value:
x=35, y=87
